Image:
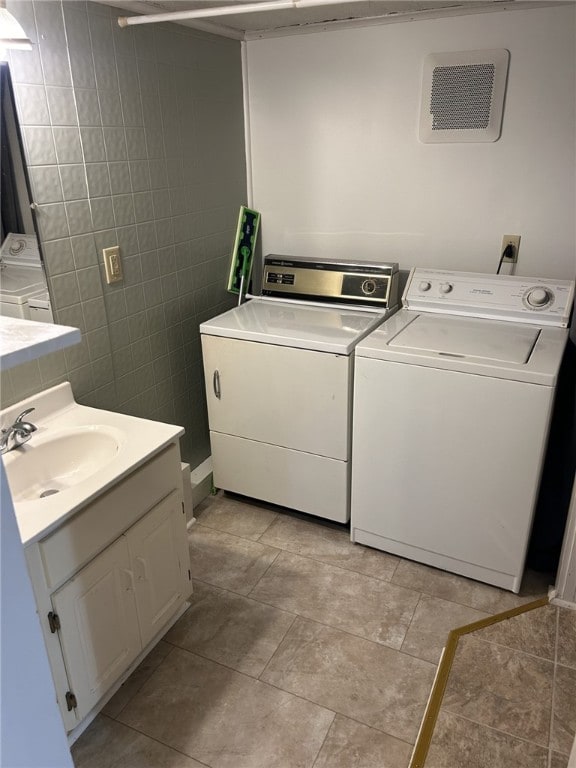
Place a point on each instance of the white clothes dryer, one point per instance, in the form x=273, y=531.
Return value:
x=452, y=402
x=279, y=377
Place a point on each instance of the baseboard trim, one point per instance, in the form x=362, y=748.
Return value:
x=201, y=481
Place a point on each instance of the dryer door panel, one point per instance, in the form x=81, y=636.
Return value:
x=293, y=398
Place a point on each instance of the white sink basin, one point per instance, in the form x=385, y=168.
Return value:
x=59, y=460
x=76, y=454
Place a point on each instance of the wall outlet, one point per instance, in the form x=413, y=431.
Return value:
x=513, y=240
x=112, y=264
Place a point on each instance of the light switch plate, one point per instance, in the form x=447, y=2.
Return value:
x=112, y=264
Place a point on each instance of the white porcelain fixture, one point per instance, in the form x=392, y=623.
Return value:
x=76, y=450
x=56, y=462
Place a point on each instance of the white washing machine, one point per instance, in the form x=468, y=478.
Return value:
x=279, y=377
x=23, y=289
x=452, y=403
x=17, y=286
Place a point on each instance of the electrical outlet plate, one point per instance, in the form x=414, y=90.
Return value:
x=510, y=240
x=112, y=264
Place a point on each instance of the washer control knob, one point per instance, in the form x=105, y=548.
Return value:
x=424, y=285
x=446, y=287
x=368, y=286
x=538, y=297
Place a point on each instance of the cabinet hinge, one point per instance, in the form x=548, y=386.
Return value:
x=54, y=622
x=71, y=702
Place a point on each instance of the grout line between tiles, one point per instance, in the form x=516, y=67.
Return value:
x=316, y=559
x=348, y=632
x=270, y=685
x=270, y=524
x=308, y=557
x=498, y=730
x=336, y=712
x=158, y=741
x=516, y=650
x=115, y=717
x=324, y=740
x=410, y=625
x=276, y=556
x=553, y=703
x=317, y=621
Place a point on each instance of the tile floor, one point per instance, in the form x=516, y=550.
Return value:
x=521, y=711
x=303, y=650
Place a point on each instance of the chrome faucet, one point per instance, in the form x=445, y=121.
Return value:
x=18, y=434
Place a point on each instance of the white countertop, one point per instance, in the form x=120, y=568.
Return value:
x=55, y=412
x=25, y=340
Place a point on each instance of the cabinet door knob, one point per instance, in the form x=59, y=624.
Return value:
x=216, y=384
x=129, y=580
x=141, y=574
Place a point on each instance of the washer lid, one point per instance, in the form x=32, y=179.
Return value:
x=325, y=329
x=18, y=283
x=496, y=348
x=468, y=337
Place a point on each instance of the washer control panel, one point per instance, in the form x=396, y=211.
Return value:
x=362, y=283
x=501, y=297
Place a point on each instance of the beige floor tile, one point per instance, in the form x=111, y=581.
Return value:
x=136, y=679
x=532, y=632
x=558, y=760
x=567, y=637
x=108, y=744
x=371, y=608
x=328, y=544
x=457, y=589
x=365, y=681
x=233, y=515
x=460, y=743
x=564, y=720
x=228, y=561
x=432, y=621
x=231, y=629
x=225, y=719
x=512, y=693
x=352, y=745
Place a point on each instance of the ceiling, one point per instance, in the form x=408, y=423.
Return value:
x=330, y=14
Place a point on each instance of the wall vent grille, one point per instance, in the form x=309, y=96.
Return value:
x=463, y=96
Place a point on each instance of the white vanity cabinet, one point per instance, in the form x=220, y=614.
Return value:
x=110, y=581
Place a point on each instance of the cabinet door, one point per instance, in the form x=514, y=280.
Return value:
x=99, y=624
x=158, y=547
x=293, y=398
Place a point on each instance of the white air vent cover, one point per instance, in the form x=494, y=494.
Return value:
x=463, y=96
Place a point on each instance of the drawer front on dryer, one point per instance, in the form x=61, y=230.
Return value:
x=312, y=484
x=293, y=398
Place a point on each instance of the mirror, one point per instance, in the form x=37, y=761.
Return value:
x=23, y=286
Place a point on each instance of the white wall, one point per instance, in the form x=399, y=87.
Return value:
x=338, y=168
